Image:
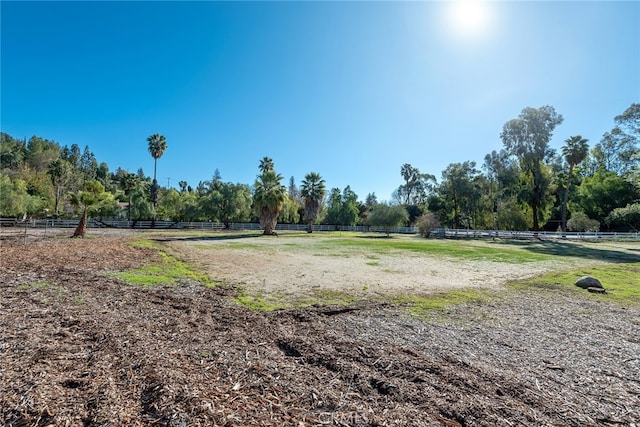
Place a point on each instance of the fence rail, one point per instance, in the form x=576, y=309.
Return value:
x=438, y=233
x=532, y=235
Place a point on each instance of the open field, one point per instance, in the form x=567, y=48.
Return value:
x=80, y=346
x=296, y=267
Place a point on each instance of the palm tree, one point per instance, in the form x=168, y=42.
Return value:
x=89, y=198
x=269, y=197
x=574, y=151
x=157, y=147
x=266, y=164
x=312, y=191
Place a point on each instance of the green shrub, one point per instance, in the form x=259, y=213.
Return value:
x=579, y=221
x=426, y=223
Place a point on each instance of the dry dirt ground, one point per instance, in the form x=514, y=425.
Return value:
x=293, y=266
x=80, y=348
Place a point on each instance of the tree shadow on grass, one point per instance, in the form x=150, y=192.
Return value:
x=576, y=250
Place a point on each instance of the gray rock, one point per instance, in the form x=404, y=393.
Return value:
x=587, y=282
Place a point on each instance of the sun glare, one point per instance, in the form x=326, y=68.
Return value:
x=469, y=18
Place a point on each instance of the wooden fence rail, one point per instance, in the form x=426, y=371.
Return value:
x=437, y=233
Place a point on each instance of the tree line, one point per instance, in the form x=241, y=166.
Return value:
x=525, y=185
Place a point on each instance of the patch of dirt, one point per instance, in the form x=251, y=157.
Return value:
x=274, y=268
x=79, y=348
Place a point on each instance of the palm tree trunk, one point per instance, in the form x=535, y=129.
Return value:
x=155, y=166
x=57, y=202
x=566, y=200
x=268, y=220
x=310, y=226
x=81, y=229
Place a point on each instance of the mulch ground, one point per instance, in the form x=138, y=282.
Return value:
x=80, y=348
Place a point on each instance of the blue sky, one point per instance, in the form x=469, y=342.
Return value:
x=351, y=90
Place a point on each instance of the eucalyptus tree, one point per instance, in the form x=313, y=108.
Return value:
x=60, y=173
x=619, y=149
x=527, y=138
x=350, y=209
x=294, y=191
x=461, y=193
x=574, y=152
x=269, y=195
x=502, y=173
x=334, y=206
x=312, y=191
x=343, y=208
x=371, y=200
x=157, y=147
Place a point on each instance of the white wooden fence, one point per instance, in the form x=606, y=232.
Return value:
x=437, y=233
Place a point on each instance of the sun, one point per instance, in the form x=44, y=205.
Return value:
x=469, y=18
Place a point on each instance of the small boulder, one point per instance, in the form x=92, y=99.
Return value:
x=587, y=282
x=597, y=290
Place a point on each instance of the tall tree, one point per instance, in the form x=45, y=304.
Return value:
x=527, y=138
x=416, y=187
x=461, y=193
x=312, y=191
x=60, y=172
x=130, y=182
x=343, y=208
x=103, y=175
x=619, y=150
x=294, y=192
x=371, y=200
x=502, y=173
x=616, y=152
x=350, y=209
x=334, y=206
x=88, y=165
x=157, y=147
x=574, y=152
x=269, y=196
